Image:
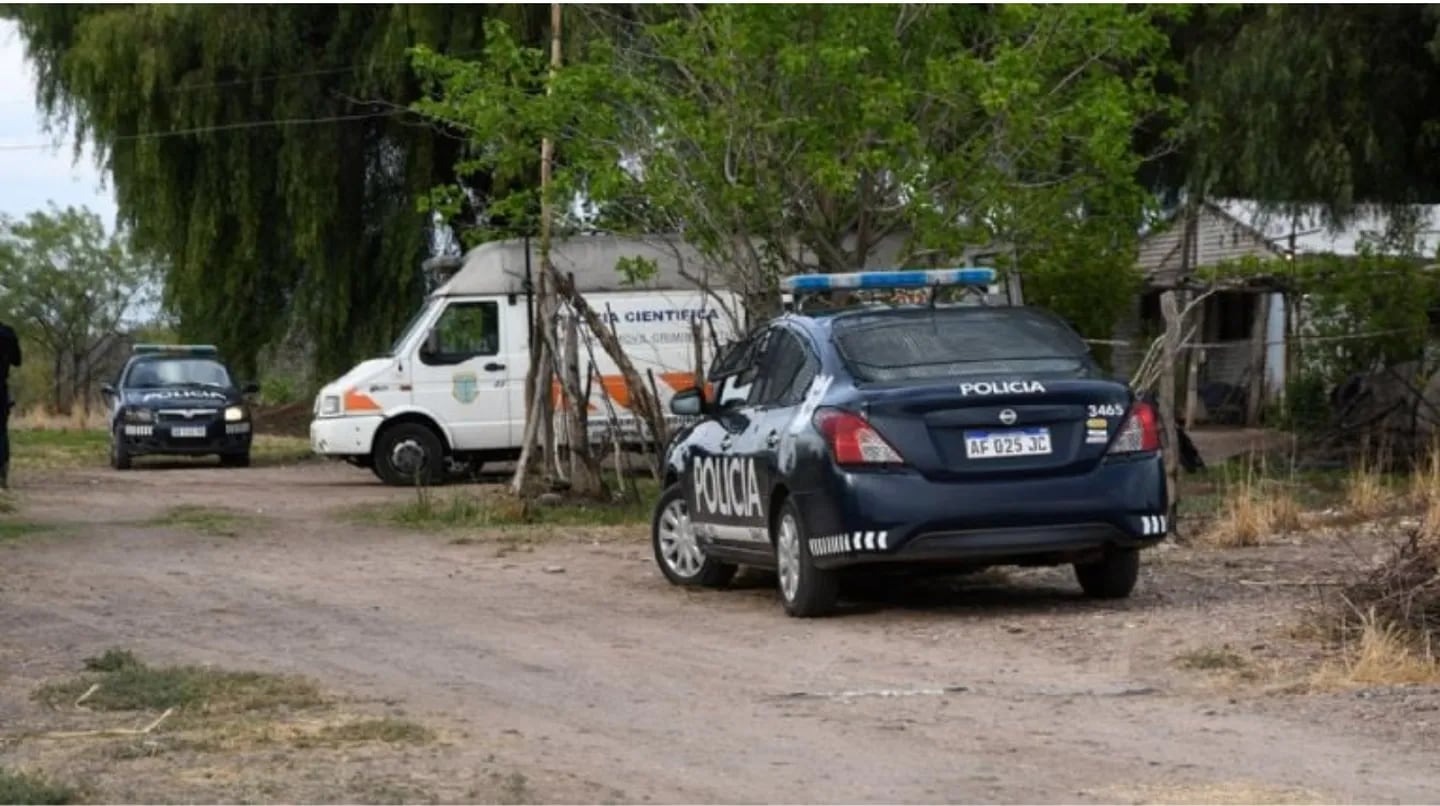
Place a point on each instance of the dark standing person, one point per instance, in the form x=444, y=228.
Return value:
x=9, y=357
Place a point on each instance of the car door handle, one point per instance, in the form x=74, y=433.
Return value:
x=725, y=444
x=772, y=440
x=494, y=367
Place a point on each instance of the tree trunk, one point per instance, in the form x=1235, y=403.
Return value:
x=585, y=476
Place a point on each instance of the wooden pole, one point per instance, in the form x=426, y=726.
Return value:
x=1259, y=328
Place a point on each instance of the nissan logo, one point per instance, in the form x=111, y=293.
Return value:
x=1007, y=416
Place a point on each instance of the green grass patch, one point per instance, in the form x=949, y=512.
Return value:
x=493, y=507
x=124, y=683
x=62, y=448
x=1211, y=659
x=57, y=448
x=23, y=788
x=206, y=520
x=271, y=449
x=387, y=730
x=14, y=530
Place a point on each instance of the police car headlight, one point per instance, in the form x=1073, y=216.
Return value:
x=329, y=405
x=234, y=414
x=139, y=416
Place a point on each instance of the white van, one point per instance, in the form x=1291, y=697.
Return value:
x=452, y=387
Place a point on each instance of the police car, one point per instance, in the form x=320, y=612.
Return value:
x=178, y=400
x=936, y=436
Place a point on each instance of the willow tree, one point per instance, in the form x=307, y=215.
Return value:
x=267, y=152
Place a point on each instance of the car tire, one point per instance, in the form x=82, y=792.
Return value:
x=120, y=458
x=679, y=556
x=1113, y=576
x=805, y=590
x=235, y=459
x=409, y=454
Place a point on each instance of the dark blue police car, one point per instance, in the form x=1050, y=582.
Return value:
x=955, y=436
x=178, y=400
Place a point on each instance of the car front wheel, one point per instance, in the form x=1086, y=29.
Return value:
x=805, y=590
x=677, y=552
x=119, y=454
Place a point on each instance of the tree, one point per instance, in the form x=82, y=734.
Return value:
x=797, y=138
x=71, y=285
x=262, y=151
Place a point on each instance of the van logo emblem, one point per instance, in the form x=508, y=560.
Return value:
x=1007, y=416
x=465, y=387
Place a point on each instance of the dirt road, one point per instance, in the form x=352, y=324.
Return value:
x=577, y=665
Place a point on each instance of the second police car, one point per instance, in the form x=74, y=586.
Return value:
x=178, y=400
x=957, y=436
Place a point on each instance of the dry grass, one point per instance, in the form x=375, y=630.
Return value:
x=1366, y=496
x=37, y=418
x=1216, y=793
x=1385, y=654
x=1252, y=509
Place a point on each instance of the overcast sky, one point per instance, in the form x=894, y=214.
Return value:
x=30, y=178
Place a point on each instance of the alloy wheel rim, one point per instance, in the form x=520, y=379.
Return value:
x=788, y=557
x=678, y=547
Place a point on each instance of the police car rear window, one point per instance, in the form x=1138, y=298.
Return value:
x=895, y=346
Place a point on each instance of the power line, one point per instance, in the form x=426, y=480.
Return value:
x=241, y=82
x=223, y=127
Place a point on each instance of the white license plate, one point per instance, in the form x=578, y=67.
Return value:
x=188, y=432
x=1003, y=444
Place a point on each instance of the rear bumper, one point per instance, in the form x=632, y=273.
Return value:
x=159, y=440
x=901, y=517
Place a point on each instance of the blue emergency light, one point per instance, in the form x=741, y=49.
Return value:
x=180, y=349
x=914, y=278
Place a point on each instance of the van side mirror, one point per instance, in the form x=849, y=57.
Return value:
x=689, y=403
x=250, y=389
x=107, y=391
x=432, y=343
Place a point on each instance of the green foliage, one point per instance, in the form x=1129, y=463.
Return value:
x=1305, y=407
x=69, y=285
x=1297, y=103
x=127, y=684
x=278, y=187
x=22, y=788
x=789, y=138
x=1359, y=313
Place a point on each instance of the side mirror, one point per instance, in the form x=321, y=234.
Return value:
x=432, y=343
x=689, y=403
x=106, y=390
x=250, y=389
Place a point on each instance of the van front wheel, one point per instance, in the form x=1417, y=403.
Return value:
x=409, y=454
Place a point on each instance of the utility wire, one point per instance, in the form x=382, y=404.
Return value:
x=223, y=127
x=242, y=82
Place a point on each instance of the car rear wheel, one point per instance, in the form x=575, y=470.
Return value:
x=409, y=453
x=1112, y=576
x=677, y=552
x=119, y=454
x=805, y=590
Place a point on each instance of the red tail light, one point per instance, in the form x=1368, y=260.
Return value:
x=1141, y=432
x=853, y=441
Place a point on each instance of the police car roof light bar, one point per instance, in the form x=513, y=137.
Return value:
x=911, y=278
x=185, y=349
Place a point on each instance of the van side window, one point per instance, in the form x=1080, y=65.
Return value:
x=465, y=330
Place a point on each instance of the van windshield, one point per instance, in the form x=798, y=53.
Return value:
x=405, y=332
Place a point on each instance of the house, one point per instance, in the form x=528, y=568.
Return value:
x=1244, y=331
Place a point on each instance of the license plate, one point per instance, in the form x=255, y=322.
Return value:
x=1003, y=444
x=188, y=432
